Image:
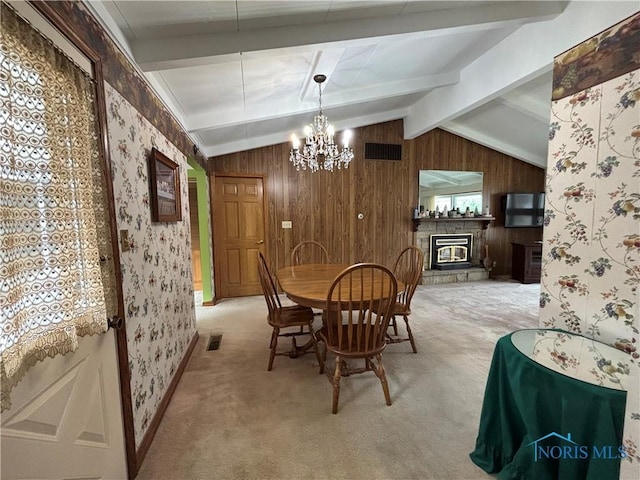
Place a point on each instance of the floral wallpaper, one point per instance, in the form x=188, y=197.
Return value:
x=583, y=358
x=591, y=240
x=157, y=284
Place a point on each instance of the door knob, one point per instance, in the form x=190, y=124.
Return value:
x=261, y=241
x=115, y=322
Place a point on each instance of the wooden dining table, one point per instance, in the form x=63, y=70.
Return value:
x=309, y=284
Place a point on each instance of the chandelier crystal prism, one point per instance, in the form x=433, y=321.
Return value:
x=319, y=151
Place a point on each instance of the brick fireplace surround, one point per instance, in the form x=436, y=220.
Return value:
x=449, y=226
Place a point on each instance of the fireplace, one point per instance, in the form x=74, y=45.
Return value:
x=476, y=227
x=450, y=251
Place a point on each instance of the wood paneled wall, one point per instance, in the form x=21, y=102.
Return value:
x=324, y=206
x=440, y=150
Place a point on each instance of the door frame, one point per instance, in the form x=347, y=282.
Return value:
x=265, y=209
x=51, y=15
x=205, y=228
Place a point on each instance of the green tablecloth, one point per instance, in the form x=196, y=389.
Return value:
x=525, y=401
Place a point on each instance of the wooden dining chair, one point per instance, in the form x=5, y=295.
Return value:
x=309, y=251
x=356, y=316
x=286, y=321
x=408, y=270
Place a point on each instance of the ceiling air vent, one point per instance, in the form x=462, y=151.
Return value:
x=382, y=151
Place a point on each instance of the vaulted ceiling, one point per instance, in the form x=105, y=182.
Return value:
x=239, y=74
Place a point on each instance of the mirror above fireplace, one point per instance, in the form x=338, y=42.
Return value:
x=453, y=189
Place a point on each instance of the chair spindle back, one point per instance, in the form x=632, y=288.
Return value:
x=268, y=288
x=359, y=306
x=408, y=270
x=309, y=251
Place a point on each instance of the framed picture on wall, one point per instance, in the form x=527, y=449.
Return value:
x=165, y=188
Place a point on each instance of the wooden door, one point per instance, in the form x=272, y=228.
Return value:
x=239, y=234
x=65, y=419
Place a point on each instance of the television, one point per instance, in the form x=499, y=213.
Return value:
x=523, y=210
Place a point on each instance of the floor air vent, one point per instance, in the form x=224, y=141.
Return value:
x=382, y=151
x=214, y=342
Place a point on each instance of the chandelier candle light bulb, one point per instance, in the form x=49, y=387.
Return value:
x=319, y=150
x=346, y=136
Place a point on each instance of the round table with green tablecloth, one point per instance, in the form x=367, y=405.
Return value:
x=553, y=408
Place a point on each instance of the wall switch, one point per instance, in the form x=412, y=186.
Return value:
x=286, y=224
x=125, y=246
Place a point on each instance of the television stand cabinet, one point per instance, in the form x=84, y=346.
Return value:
x=526, y=262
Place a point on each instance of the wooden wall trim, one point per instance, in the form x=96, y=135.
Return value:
x=215, y=260
x=162, y=407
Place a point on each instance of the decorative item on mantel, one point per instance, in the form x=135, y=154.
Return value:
x=485, y=220
x=319, y=151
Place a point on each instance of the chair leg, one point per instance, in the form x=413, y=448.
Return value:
x=395, y=325
x=383, y=379
x=324, y=358
x=274, y=338
x=294, y=348
x=413, y=342
x=336, y=383
x=314, y=339
x=274, y=345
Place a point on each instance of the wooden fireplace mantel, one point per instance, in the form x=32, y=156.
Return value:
x=484, y=220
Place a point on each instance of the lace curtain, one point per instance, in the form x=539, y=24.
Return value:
x=54, y=226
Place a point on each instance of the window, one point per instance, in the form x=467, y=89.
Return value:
x=461, y=201
x=443, y=202
x=53, y=215
x=472, y=200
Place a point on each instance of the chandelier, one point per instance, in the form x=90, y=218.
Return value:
x=319, y=151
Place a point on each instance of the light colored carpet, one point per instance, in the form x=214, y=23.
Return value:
x=231, y=419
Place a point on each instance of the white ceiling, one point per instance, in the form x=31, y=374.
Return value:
x=239, y=74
